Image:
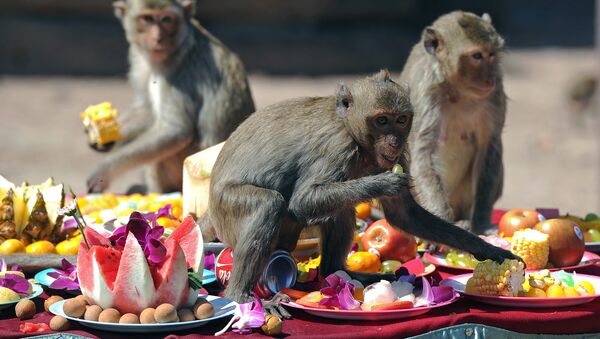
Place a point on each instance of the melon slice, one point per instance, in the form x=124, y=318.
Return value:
x=190, y=239
x=170, y=276
x=134, y=288
x=96, y=271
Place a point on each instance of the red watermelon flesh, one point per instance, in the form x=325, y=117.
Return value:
x=96, y=272
x=190, y=239
x=133, y=290
x=170, y=276
x=94, y=238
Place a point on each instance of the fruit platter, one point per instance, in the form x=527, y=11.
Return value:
x=543, y=238
x=344, y=298
x=508, y=284
x=14, y=287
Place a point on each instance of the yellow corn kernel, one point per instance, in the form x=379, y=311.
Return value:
x=494, y=279
x=533, y=246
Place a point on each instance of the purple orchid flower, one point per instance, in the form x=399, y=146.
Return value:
x=339, y=293
x=164, y=211
x=16, y=283
x=65, y=278
x=4, y=267
x=209, y=261
x=247, y=316
x=148, y=237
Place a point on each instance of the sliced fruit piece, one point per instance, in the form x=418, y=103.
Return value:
x=94, y=279
x=170, y=276
x=190, y=239
x=134, y=289
x=310, y=304
x=396, y=305
x=294, y=294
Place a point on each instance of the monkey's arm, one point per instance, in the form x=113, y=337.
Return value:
x=488, y=185
x=165, y=138
x=135, y=120
x=403, y=212
x=428, y=181
x=316, y=198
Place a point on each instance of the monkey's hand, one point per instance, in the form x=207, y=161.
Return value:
x=101, y=148
x=495, y=253
x=274, y=306
x=370, y=278
x=98, y=182
x=392, y=184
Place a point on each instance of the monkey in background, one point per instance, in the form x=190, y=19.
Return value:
x=190, y=92
x=460, y=105
x=308, y=161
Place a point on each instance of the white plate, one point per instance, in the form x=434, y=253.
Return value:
x=458, y=282
x=370, y=315
x=223, y=308
x=36, y=290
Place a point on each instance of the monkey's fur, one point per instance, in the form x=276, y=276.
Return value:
x=190, y=91
x=460, y=106
x=308, y=161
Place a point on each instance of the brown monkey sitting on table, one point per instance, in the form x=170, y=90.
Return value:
x=308, y=161
x=191, y=92
x=460, y=106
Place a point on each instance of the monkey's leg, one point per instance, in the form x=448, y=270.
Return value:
x=261, y=211
x=166, y=175
x=488, y=186
x=403, y=212
x=336, y=241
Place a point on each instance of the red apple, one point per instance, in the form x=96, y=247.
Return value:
x=518, y=219
x=390, y=242
x=566, y=241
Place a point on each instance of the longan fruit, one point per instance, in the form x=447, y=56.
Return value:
x=109, y=315
x=74, y=307
x=25, y=309
x=203, y=309
x=129, y=318
x=92, y=313
x=51, y=300
x=185, y=314
x=166, y=313
x=83, y=298
x=147, y=316
x=58, y=323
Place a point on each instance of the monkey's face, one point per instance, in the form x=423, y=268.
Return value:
x=157, y=33
x=388, y=132
x=478, y=71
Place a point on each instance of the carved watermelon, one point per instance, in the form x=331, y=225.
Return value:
x=190, y=239
x=124, y=279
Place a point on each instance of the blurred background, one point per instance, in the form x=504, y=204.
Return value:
x=59, y=56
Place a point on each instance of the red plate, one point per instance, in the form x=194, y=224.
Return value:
x=439, y=260
x=370, y=315
x=458, y=282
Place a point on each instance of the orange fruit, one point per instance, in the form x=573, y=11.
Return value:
x=69, y=246
x=364, y=262
x=168, y=223
x=363, y=210
x=555, y=291
x=535, y=292
x=177, y=212
x=10, y=246
x=40, y=247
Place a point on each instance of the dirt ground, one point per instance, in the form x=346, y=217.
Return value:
x=551, y=154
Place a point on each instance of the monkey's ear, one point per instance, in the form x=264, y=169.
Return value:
x=343, y=100
x=487, y=18
x=432, y=41
x=383, y=75
x=189, y=8
x=120, y=8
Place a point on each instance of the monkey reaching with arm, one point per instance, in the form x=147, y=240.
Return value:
x=190, y=92
x=308, y=161
x=460, y=106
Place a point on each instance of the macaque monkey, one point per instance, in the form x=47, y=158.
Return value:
x=459, y=104
x=191, y=92
x=308, y=161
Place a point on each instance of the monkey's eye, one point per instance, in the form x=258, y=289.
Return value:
x=477, y=56
x=382, y=120
x=166, y=20
x=402, y=119
x=147, y=19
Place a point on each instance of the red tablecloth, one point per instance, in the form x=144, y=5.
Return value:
x=568, y=320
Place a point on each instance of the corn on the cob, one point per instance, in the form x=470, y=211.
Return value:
x=99, y=120
x=491, y=278
x=533, y=246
